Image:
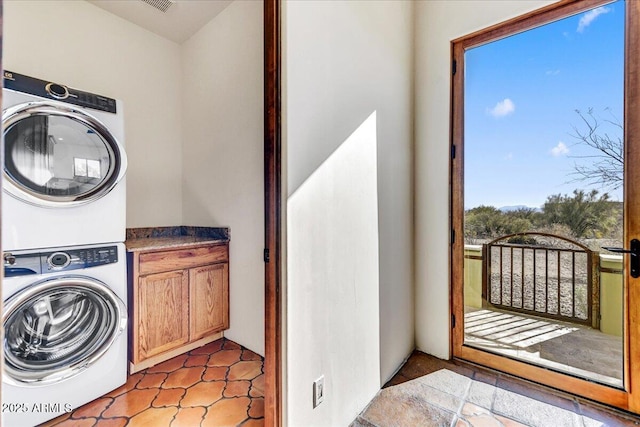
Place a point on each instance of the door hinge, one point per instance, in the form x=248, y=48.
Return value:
x=454, y=66
x=453, y=236
x=266, y=255
x=453, y=321
x=453, y=151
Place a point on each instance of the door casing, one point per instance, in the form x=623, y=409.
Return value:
x=273, y=216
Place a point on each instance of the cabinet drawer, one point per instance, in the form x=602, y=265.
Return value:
x=153, y=262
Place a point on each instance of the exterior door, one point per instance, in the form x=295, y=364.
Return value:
x=544, y=203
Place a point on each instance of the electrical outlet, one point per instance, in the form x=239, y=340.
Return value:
x=318, y=391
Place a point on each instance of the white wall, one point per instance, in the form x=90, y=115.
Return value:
x=437, y=23
x=82, y=46
x=223, y=178
x=347, y=125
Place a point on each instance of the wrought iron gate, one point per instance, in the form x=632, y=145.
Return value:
x=544, y=275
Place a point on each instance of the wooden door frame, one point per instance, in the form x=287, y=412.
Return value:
x=273, y=216
x=632, y=207
x=628, y=399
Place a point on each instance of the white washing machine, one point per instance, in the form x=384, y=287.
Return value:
x=64, y=166
x=65, y=339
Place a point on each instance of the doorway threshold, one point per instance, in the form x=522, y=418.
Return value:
x=461, y=394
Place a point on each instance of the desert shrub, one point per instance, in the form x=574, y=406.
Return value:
x=523, y=240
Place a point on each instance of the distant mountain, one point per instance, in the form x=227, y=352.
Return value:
x=517, y=207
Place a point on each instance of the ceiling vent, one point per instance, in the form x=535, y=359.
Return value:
x=161, y=5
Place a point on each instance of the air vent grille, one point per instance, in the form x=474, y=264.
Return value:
x=161, y=5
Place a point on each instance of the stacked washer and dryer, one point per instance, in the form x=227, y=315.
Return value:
x=63, y=232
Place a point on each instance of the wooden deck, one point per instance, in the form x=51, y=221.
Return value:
x=566, y=347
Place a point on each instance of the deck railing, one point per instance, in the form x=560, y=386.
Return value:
x=547, y=275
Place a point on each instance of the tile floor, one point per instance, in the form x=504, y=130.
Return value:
x=431, y=392
x=219, y=384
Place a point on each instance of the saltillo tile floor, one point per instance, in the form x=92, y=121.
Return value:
x=219, y=384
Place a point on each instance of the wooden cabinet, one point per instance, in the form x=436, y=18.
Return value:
x=179, y=300
x=163, y=299
x=208, y=300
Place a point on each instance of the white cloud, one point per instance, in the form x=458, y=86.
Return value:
x=559, y=150
x=509, y=156
x=502, y=108
x=552, y=72
x=590, y=16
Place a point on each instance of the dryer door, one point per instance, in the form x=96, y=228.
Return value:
x=54, y=329
x=58, y=156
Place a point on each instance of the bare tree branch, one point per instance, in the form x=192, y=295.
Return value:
x=607, y=165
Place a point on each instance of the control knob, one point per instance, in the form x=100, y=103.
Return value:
x=58, y=260
x=57, y=91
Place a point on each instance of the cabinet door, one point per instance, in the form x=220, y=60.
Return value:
x=209, y=296
x=163, y=305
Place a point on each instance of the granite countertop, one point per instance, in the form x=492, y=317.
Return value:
x=150, y=238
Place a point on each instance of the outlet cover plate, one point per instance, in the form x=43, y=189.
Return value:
x=318, y=391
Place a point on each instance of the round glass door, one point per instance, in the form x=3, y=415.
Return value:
x=56, y=328
x=56, y=155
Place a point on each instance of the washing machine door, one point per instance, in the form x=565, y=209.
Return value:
x=54, y=329
x=58, y=156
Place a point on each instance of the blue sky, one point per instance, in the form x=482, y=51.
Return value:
x=521, y=94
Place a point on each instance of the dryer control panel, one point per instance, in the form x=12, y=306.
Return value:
x=51, y=90
x=54, y=261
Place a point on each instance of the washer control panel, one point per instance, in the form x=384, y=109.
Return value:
x=78, y=258
x=98, y=256
x=61, y=260
x=51, y=90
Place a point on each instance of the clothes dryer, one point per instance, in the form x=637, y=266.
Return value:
x=65, y=339
x=64, y=166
